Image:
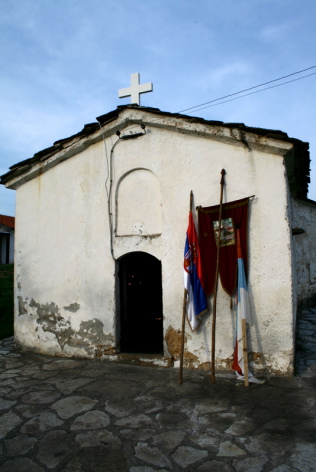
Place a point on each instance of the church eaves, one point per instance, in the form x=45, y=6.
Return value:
x=297, y=160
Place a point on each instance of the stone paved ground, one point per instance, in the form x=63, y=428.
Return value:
x=86, y=416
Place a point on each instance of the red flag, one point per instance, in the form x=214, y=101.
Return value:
x=234, y=216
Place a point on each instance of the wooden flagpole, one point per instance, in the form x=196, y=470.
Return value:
x=184, y=311
x=245, y=351
x=223, y=172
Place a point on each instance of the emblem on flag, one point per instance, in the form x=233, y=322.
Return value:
x=227, y=232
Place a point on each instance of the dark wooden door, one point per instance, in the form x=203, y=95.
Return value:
x=141, y=304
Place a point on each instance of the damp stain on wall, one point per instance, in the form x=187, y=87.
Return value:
x=73, y=307
x=88, y=337
x=21, y=306
x=173, y=339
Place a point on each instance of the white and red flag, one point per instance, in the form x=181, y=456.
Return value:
x=243, y=311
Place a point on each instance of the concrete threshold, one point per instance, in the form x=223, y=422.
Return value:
x=153, y=360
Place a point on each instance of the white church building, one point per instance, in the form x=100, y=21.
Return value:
x=101, y=220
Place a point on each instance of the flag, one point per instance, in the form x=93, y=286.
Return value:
x=243, y=310
x=234, y=216
x=196, y=303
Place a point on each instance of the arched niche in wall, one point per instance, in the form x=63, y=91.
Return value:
x=138, y=204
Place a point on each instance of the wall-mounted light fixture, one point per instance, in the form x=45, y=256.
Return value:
x=132, y=135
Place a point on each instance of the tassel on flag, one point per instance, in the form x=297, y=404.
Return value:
x=196, y=303
x=243, y=313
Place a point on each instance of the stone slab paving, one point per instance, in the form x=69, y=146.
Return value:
x=90, y=416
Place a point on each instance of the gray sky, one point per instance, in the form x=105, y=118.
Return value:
x=63, y=61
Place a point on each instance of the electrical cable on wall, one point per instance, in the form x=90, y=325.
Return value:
x=107, y=160
x=110, y=174
x=195, y=108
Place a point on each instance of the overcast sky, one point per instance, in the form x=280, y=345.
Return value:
x=63, y=61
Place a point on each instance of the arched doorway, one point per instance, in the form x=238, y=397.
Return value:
x=140, y=304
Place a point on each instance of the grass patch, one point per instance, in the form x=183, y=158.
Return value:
x=6, y=300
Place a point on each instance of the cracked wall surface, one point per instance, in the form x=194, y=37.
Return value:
x=84, y=341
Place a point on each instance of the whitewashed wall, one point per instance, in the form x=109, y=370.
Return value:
x=65, y=274
x=64, y=269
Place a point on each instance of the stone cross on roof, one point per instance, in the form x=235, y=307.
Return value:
x=135, y=89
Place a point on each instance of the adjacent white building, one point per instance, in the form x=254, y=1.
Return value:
x=101, y=219
x=7, y=239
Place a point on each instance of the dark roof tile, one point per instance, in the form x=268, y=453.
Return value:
x=8, y=221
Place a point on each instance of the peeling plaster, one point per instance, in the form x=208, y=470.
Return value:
x=89, y=336
x=173, y=340
x=50, y=319
x=205, y=366
x=21, y=306
x=191, y=361
x=73, y=307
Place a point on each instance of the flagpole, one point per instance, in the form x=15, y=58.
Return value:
x=184, y=310
x=223, y=172
x=245, y=351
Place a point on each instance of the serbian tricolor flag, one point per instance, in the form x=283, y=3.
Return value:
x=243, y=310
x=196, y=304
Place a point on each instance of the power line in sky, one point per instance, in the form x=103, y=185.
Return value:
x=251, y=93
x=198, y=107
